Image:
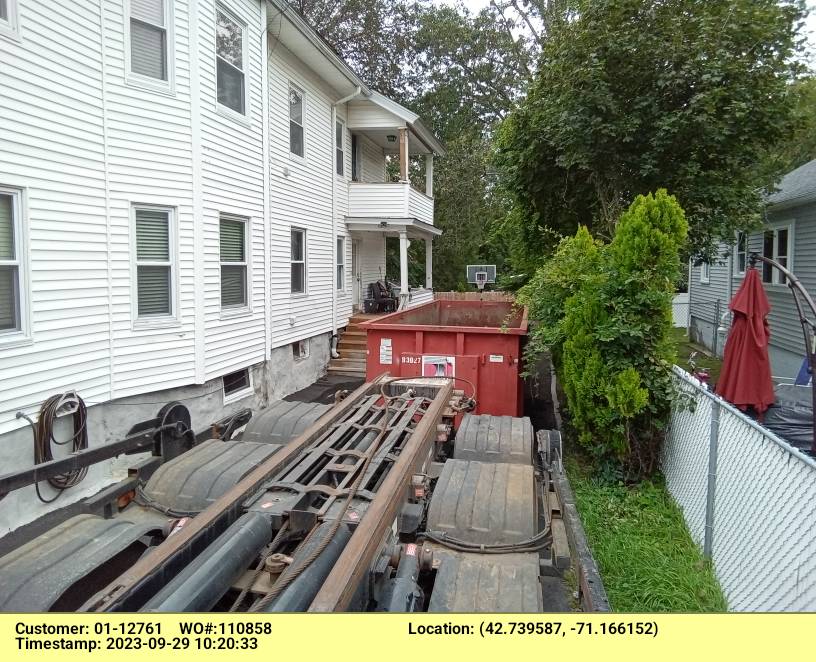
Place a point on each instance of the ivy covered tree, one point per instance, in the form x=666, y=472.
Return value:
x=632, y=95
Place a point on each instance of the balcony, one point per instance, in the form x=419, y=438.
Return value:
x=389, y=201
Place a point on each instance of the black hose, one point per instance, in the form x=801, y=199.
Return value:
x=534, y=544
x=44, y=438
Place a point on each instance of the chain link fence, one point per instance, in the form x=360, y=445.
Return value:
x=748, y=498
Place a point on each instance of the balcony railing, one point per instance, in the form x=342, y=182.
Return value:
x=389, y=200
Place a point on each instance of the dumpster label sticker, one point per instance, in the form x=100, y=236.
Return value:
x=385, y=351
x=438, y=366
x=496, y=358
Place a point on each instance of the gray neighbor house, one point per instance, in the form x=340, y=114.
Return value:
x=789, y=236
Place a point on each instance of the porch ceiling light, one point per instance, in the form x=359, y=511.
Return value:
x=391, y=138
x=383, y=224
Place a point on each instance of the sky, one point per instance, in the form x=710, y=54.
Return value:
x=810, y=27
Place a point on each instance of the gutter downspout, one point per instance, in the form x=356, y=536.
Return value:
x=332, y=142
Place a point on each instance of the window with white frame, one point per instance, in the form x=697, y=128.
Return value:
x=230, y=51
x=154, y=262
x=705, y=272
x=339, y=143
x=298, y=261
x=233, y=238
x=297, y=135
x=237, y=385
x=8, y=18
x=11, y=262
x=741, y=252
x=149, y=38
x=341, y=263
x=777, y=244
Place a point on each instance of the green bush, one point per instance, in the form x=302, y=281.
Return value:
x=605, y=315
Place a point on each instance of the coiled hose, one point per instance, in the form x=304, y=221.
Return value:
x=44, y=438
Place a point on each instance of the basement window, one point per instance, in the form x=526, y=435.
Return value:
x=237, y=385
x=300, y=350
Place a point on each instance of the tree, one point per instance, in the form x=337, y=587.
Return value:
x=607, y=315
x=799, y=147
x=632, y=95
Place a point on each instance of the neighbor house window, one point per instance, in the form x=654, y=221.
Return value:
x=340, y=153
x=777, y=244
x=341, y=263
x=742, y=252
x=154, y=262
x=705, y=272
x=298, y=260
x=233, y=262
x=230, y=61
x=8, y=18
x=237, y=385
x=296, y=121
x=148, y=38
x=11, y=262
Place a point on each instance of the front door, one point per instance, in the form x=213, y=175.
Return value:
x=356, y=276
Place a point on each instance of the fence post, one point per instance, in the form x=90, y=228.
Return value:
x=716, y=341
x=713, y=442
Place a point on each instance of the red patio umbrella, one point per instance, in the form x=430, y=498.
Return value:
x=745, y=378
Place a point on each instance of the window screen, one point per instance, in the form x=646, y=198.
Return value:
x=148, y=38
x=153, y=263
x=233, y=262
x=298, y=260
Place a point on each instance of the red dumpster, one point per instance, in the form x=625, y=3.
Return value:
x=477, y=341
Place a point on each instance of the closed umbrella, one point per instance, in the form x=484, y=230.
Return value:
x=745, y=378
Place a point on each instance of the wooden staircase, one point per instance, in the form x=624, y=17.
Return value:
x=352, y=349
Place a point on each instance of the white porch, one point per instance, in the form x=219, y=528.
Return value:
x=368, y=236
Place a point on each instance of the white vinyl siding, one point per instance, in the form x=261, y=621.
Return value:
x=154, y=263
x=12, y=270
x=149, y=47
x=297, y=131
x=9, y=25
x=341, y=263
x=230, y=55
x=298, y=261
x=233, y=251
x=777, y=244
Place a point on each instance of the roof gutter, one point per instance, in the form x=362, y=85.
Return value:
x=293, y=16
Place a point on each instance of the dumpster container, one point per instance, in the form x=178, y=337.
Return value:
x=479, y=341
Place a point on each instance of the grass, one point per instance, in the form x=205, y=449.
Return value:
x=647, y=559
x=684, y=349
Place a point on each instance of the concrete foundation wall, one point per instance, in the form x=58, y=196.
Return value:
x=272, y=380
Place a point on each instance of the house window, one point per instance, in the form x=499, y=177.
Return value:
x=300, y=349
x=341, y=263
x=233, y=233
x=705, y=272
x=11, y=262
x=742, y=252
x=355, y=158
x=340, y=153
x=777, y=244
x=296, y=121
x=298, y=260
x=154, y=262
x=237, y=385
x=230, y=59
x=8, y=18
x=148, y=38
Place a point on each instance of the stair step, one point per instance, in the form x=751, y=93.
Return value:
x=356, y=354
x=355, y=343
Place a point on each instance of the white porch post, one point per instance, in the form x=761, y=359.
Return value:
x=403, y=153
x=403, y=239
x=429, y=264
x=429, y=175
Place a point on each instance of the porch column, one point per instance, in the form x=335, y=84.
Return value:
x=429, y=175
x=403, y=243
x=429, y=263
x=403, y=154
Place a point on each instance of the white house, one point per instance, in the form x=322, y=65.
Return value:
x=193, y=199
